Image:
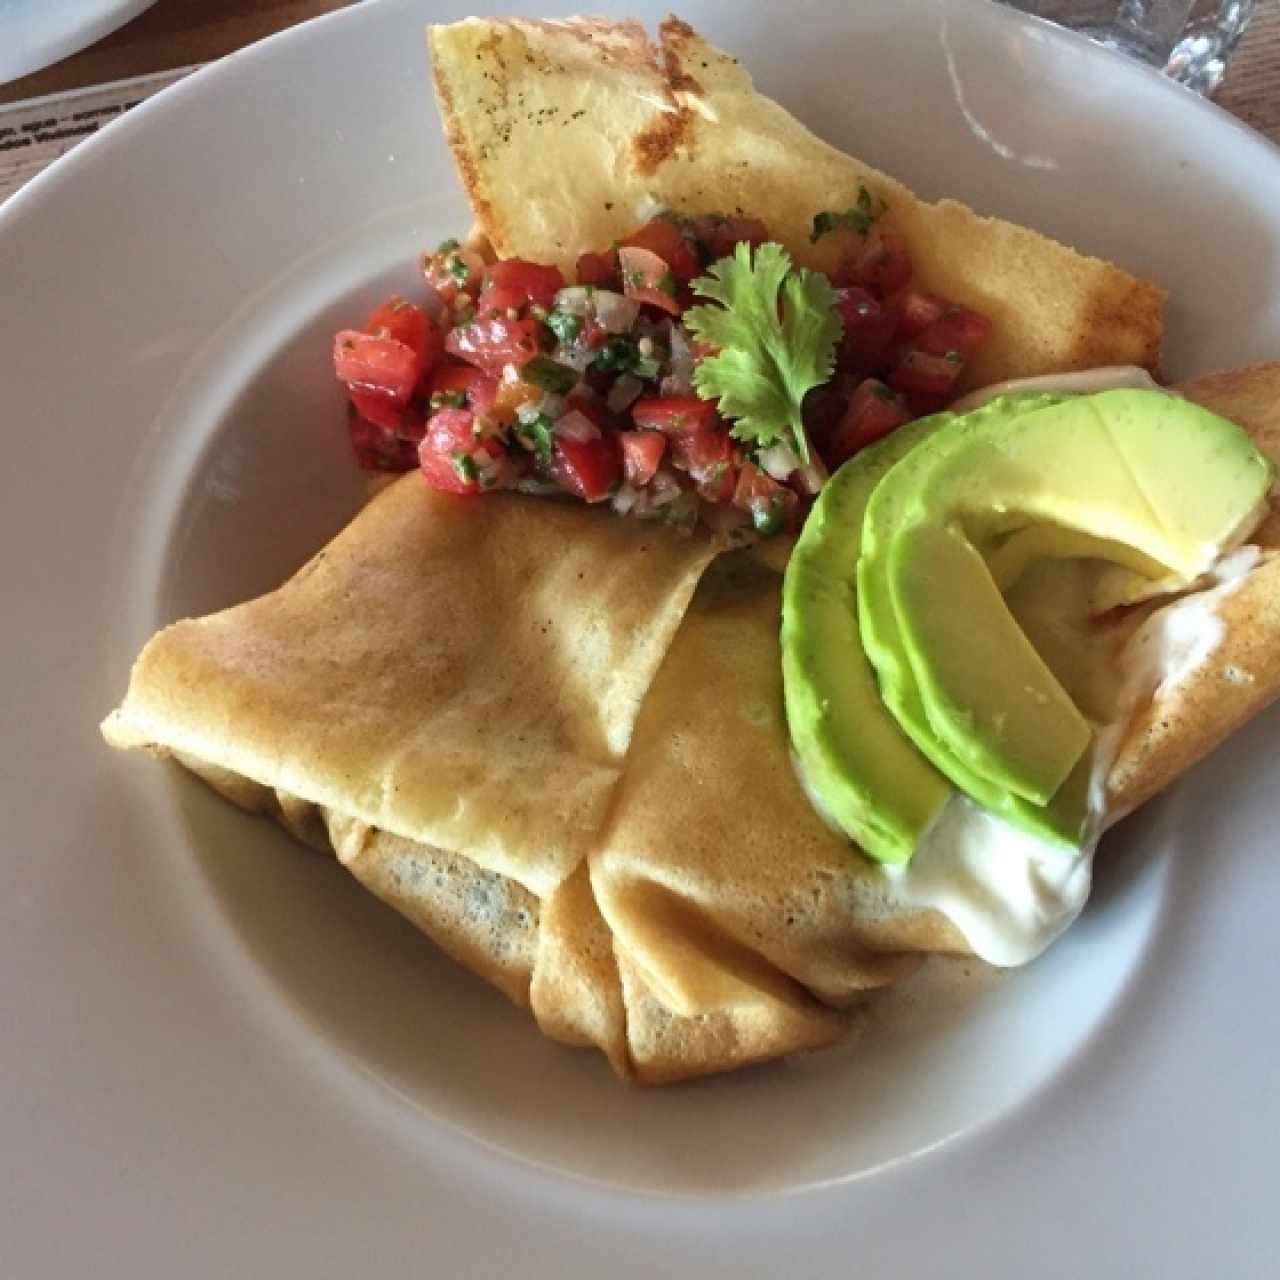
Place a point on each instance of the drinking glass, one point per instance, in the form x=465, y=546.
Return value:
x=1190, y=40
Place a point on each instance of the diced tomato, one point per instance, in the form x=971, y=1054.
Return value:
x=378, y=409
x=772, y=506
x=378, y=449
x=496, y=298
x=381, y=365
x=663, y=238
x=597, y=412
x=718, y=235
x=674, y=415
x=409, y=324
x=916, y=312
x=492, y=342
x=641, y=454
x=648, y=278
x=454, y=460
x=883, y=266
x=753, y=483
x=957, y=329
x=529, y=281
x=869, y=329
x=873, y=412
x=824, y=408
x=589, y=469
x=920, y=374
x=477, y=386
x=594, y=335
x=452, y=270
x=708, y=457
x=413, y=426
x=599, y=269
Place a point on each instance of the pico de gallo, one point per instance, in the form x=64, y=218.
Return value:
x=506, y=375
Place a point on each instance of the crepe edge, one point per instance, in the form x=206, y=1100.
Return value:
x=555, y=958
x=1107, y=315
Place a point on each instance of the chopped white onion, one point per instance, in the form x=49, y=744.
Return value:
x=550, y=404
x=625, y=499
x=624, y=392
x=616, y=313
x=779, y=460
x=577, y=427
x=679, y=381
x=576, y=299
x=576, y=358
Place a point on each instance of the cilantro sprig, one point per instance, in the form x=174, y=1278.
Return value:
x=861, y=216
x=776, y=327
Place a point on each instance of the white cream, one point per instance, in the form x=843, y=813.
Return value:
x=1179, y=638
x=1109, y=378
x=1010, y=893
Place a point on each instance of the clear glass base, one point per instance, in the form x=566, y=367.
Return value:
x=1190, y=40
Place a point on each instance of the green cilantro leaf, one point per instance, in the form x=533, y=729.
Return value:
x=860, y=217
x=537, y=434
x=776, y=329
x=549, y=374
x=465, y=465
x=564, y=325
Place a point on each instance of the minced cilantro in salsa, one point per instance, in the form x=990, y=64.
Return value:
x=626, y=385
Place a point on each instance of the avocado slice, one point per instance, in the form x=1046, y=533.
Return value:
x=1138, y=468
x=967, y=653
x=1009, y=559
x=849, y=750
x=1062, y=821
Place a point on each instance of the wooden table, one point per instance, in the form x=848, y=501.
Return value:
x=176, y=33
x=172, y=33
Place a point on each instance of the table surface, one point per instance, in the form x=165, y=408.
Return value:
x=177, y=33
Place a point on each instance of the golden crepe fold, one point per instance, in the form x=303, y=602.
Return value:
x=460, y=672
x=568, y=134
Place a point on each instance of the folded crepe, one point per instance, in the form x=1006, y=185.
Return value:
x=554, y=739
x=568, y=134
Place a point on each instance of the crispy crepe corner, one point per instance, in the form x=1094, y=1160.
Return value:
x=461, y=673
x=568, y=134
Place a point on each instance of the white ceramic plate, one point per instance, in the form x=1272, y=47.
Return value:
x=37, y=33
x=219, y=1057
